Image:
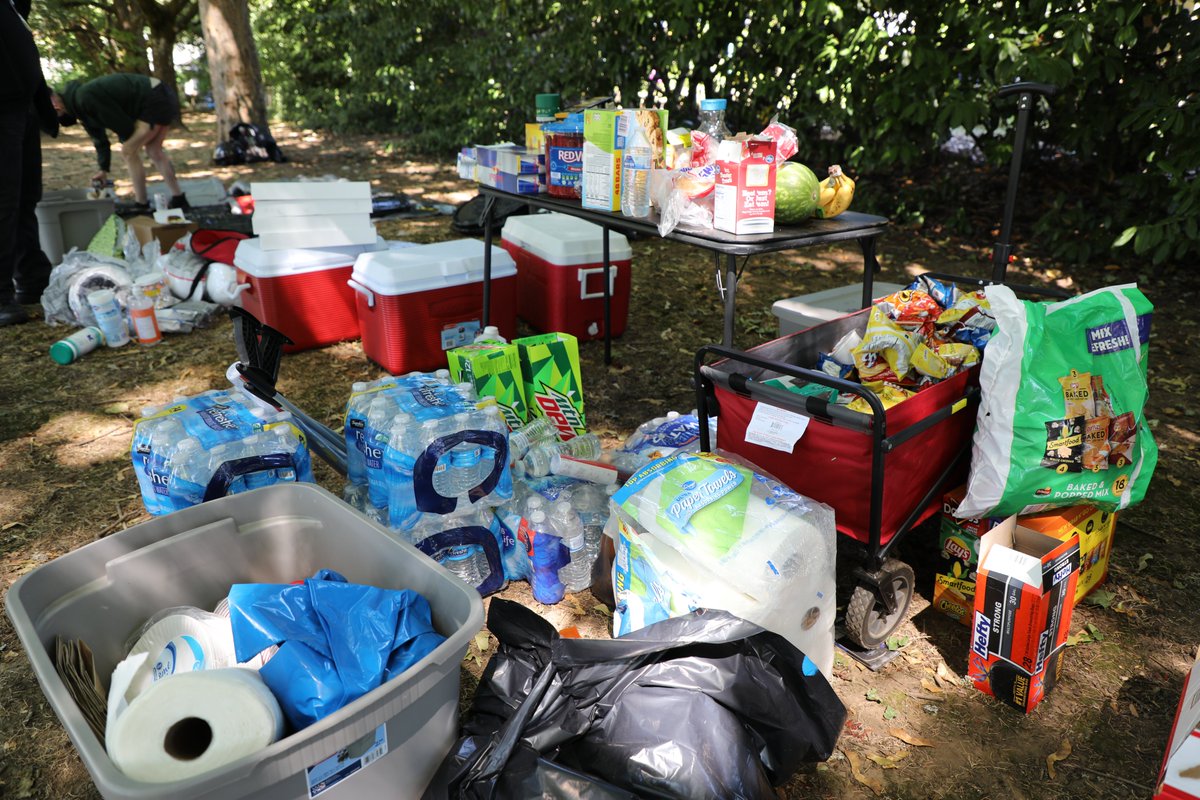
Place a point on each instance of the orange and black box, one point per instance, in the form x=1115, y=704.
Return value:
x=1024, y=596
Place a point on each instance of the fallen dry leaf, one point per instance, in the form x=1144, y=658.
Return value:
x=1133, y=710
x=890, y=762
x=1064, y=750
x=930, y=686
x=908, y=738
x=874, y=784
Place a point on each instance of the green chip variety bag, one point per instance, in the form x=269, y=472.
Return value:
x=1062, y=415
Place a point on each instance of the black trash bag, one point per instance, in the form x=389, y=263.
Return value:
x=704, y=705
x=468, y=218
x=229, y=153
x=247, y=144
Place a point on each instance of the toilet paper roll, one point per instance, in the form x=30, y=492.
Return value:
x=180, y=640
x=194, y=722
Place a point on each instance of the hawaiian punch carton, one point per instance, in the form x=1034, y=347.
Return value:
x=553, y=381
x=495, y=371
x=744, y=198
x=1024, y=596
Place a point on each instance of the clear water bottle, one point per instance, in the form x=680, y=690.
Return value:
x=431, y=430
x=576, y=575
x=442, y=376
x=356, y=467
x=489, y=335
x=468, y=564
x=188, y=473
x=537, y=462
x=540, y=431
x=712, y=119
x=635, y=169
x=464, y=459
x=591, y=502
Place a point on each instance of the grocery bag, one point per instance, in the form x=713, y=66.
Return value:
x=1062, y=415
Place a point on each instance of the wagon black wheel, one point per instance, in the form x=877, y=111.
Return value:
x=868, y=624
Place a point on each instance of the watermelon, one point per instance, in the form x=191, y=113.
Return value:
x=797, y=192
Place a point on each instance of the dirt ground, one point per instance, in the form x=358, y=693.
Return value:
x=915, y=729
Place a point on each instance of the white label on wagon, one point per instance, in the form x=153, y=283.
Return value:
x=775, y=428
x=356, y=756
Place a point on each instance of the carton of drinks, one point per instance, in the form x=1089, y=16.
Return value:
x=604, y=132
x=744, y=199
x=553, y=383
x=495, y=371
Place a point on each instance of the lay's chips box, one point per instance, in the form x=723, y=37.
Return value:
x=553, y=382
x=495, y=371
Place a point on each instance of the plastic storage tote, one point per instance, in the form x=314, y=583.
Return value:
x=560, y=269
x=302, y=293
x=105, y=590
x=803, y=312
x=68, y=219
x=417, y=303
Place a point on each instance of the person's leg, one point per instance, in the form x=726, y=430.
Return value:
x=131, y=148
x=12, y=135
x=154, y=149
x=32, y=268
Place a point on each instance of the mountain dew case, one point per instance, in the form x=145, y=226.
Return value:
x=495, y=371
x=553, y=382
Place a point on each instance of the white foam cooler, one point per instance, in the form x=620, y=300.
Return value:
x=417, y=303
x=560, y=267
x=302, y=292
x=808, y=310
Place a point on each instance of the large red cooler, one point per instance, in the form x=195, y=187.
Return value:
x=560, y=268
x=417, y=303
x=301, y=292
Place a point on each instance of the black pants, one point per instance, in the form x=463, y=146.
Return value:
x=23, y=265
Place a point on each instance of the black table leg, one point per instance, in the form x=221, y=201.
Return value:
x=730, y=292
x=487, y=259
x=870, y=267
x=607, y=304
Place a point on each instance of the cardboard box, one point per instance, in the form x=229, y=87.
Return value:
x=1023, y=611
x=495, y=371
x=1179, y=778
x=954, y=583
x=744, y=199
x=1095, y=530
x=553, y=382
x=167, y=233
x=535, y=139
x=604, y=132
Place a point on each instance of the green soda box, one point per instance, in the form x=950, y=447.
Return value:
x=495, y=371
x=553, y=382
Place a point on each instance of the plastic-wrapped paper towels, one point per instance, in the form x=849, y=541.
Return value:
x=190, y=723
x=700, y=531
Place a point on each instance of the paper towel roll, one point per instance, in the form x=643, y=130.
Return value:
x=183, y=640
x=194, y=722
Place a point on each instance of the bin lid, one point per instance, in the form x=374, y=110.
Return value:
x=253, y=260
x=429, y=266
x=563, y=239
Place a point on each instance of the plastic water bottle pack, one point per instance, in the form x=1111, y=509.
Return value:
x=420, y=448
x=211, y=445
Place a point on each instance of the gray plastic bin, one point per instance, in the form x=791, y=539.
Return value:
x=807, y=310
x=68, y=219
x=101, y=592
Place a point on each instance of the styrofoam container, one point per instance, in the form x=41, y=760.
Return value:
x=69, y=219
x=199, y=191
x=301, y=292
x=417, y=303
x=104, y=591
x=309, y=208
x=560, y=268
x=807, y=310
x=310, y=190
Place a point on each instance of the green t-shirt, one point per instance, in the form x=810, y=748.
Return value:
x=112, y=103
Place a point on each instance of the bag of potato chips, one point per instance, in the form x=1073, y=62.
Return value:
x=1062, y=413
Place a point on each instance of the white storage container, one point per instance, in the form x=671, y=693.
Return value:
x=69, y=219
x=803, y=312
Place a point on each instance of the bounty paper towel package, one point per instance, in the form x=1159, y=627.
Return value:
x=697, y=530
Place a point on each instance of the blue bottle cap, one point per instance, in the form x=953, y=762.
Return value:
x=716, y=104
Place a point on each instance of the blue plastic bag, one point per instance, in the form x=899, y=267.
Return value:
x=337, y=640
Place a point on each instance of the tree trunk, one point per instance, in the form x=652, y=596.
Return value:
x=162, y=48
x=233, y=64
x=130, y=22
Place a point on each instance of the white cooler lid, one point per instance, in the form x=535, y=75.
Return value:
x=429, y=266
x=252, y=259
x=563, y=239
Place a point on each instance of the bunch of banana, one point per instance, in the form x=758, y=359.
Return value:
x=836, y=193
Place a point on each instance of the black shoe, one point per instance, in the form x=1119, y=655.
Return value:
x=29, y=296
x=180, y=201
x=12, y=314
x=133, y=209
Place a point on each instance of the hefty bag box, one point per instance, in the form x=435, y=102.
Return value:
x=744, y=199
x=604, y=132
x=495, y=371
x=1023, y=605
x=1179, y=779
x=553, y=381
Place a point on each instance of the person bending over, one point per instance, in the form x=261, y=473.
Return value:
x=139, y=110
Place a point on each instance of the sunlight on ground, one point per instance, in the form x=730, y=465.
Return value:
x=11, y=501
x=81, y=439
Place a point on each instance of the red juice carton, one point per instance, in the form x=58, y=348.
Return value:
x=744, y=199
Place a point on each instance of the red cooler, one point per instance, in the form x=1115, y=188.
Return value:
x=560, y=263
x=302, y=293
x=417, y=303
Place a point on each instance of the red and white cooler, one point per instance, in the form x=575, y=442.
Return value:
x=302, y=293
x=560, y=268
x=417, y=303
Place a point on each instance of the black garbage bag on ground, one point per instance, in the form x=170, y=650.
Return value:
x=704, y=705
x=247, y=144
